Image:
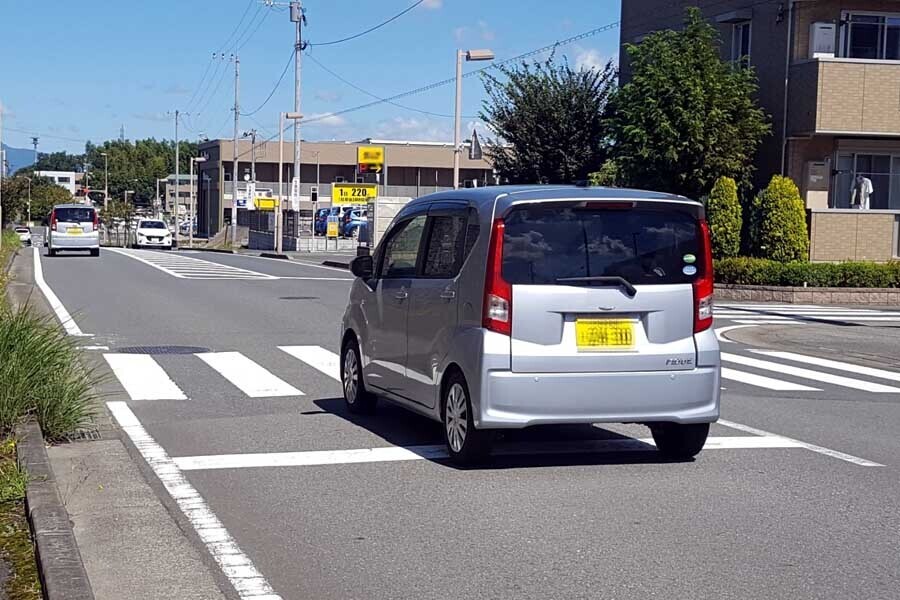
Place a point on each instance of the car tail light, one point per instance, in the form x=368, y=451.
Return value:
x=703, y=284
x=96, y=221
x=53, y=220
x=497, y=292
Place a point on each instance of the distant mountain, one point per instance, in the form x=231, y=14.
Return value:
x=18, y=158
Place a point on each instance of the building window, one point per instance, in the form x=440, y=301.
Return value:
x=870, y=36
x=740, y=43
x=63, y=180
x=882, y=170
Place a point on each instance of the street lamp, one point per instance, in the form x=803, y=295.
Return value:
x=158, y=202
x=105, y=180
x=29, y=200
x=471, y=55
x=196, y=159
x=295, y=116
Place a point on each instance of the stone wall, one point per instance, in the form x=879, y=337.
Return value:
x=808, y=295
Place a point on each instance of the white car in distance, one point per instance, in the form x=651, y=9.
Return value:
x=152, y=233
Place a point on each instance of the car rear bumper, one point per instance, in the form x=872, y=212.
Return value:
x=85, y=241
x=516, y=400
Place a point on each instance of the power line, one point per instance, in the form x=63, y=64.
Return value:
x=238, y=42
x=450, y=80
x=202, y=79
x=258, y=25
x=216, y=90
x=47, y=135
x=238, y=26
x=370, y=29
x=274, y=88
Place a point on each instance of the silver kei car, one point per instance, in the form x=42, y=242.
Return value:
x=506, y=307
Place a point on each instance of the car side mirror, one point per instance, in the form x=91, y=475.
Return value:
x=362, y=266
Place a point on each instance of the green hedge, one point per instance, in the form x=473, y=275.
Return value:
x=759, y=271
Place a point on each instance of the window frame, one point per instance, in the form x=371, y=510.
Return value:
x=460, y=259
x=846, y=26
x=737, y=28
x=396, y=230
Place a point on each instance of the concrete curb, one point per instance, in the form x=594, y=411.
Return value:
x=808, y=295
x=274, y=255
x=219, y=250
x=62, y=572
x=336, y=264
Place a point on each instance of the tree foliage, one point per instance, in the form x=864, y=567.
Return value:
x=723, y=212
x=778, y=223
x=44, y=195
x=58, y=161
x=549, y=119
x=686, y=117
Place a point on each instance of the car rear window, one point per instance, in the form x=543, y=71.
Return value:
x=543, y=244
x=152, y=225
x=75, y=215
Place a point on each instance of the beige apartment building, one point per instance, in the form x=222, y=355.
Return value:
x=829, y=77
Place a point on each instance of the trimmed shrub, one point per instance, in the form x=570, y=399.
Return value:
x=607, y=176
x=759, y=271
x=778, y=223
x=723, y=212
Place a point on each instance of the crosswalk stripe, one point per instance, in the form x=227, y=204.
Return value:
x=248, y=376
x=143, y=378
x=831, y=364
x=187, y=267
x=767, y=322
x=765, y=382
x=317, y=357
x=857, y=384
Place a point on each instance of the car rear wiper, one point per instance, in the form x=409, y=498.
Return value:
x=630, y=290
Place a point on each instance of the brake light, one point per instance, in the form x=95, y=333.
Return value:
x=703, y=284
x=497, y=292
x=96, y=221
x=53, y=220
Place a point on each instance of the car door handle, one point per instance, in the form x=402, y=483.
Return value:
x=448, y=294
x=401, y=295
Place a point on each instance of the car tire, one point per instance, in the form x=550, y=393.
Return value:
x=465, y=444
x=95, y=252
x=357, y=399
x=680, y=441
x=51, y=252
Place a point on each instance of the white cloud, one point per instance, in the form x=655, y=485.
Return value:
x=326, y=120
x=459, y=33
x=486, y=33
x=327, y=96
x=414, y=128
x=158, y=117
x=433, y=4
x=589, y=58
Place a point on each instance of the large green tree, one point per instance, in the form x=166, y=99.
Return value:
x=135, y=165
x=549, y=119
x=685, y=117
x=44, y=195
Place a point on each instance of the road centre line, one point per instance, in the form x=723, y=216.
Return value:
x=53, y=300
x=831, y=364
x=249, y=583
x=431, y=452
x=813, y=447
x=818, y=376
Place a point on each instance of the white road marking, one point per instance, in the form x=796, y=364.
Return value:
x=53, y=300
x=813, y=447
x=832, y=364
x=237, y=567
x=252, y=379
x=296, y=262
x=398, y=453
x=143, y=378
x=187, y=267
x=317, y=278
x=768, y=322
x=721, y=331
x=765, y=382
x=856, y=384
x=94, y=347
x=317, y=357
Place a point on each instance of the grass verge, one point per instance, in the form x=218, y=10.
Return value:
x=16, y=546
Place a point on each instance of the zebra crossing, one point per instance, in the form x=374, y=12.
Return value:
x=144, y=378
x=792, y=314
x=755, y=368
x=187, y=267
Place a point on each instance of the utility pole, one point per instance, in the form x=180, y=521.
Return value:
x=177, y=176
x=106, y=180
x=234, y=162
x=252, y=135
x=34, y=141
x=299, y=18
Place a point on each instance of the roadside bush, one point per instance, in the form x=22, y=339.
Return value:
x=607, y=176
x=40, y=374
x=778, y=223
x=758, y=271
x=723, y=213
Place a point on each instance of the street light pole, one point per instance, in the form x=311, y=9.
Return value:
x=29, y=200
x=177, y=177
x=471, y=55
x=106, y=180
x=295, y=116
x=196, y=159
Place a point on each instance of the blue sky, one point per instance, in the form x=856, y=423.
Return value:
x=79, y=70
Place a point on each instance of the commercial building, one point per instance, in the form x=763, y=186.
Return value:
x=65, y=179
x=184, y=193
x=829, y=77
x=410, y=169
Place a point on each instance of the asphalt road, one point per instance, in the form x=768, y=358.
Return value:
x=551, y=517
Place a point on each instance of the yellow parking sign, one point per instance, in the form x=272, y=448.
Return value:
x=353, y=193
x=332, y=230
x=370, y=159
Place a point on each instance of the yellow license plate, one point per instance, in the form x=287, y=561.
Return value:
x=604, y=334
x=74, y=230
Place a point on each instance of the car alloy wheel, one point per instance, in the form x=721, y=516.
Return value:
x=456, y=417
x=351, y=374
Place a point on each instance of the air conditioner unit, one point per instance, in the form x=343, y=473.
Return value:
x=822, y=40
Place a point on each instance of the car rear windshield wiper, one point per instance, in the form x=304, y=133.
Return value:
x=630, y=290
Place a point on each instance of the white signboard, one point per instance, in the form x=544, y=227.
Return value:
x=295, y=193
